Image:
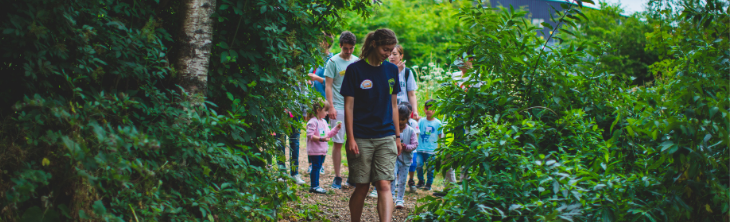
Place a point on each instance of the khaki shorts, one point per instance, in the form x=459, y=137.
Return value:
x=375, y=162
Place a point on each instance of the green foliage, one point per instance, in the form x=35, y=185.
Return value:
x=555, y=135
x=95, y=126
x=622, y=39
x=426, y=29
x=303, y=212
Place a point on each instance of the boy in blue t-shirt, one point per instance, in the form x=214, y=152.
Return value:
x=431, y=131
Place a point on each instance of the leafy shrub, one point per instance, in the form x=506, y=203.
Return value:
x=95, y=125
x=623, y=41
x=551, y=134
x=424, y=27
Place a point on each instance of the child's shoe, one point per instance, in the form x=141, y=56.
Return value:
x=321, y=171
x=399, y=204
x=309, y=170
x=298, y=179
x=318, y=190
x=373, y=194
x=412, y=185
x=420, y=185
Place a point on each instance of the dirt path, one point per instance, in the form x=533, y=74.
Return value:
x=334, y=204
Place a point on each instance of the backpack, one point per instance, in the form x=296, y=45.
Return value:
x=408, y=73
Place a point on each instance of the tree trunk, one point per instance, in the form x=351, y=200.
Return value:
x=196, y=45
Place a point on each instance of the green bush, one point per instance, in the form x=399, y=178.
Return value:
x=425, y=28
x=96, y=127
x=552, y=134
x=623, y=39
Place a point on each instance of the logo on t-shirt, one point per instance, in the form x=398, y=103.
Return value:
x=342, y=73
x=391, y=82
x=367, y=84
x=426, y=134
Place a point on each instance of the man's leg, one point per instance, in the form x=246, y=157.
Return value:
x=385, y=200
x=393, y=183
x=337, y=158
x=360, y=168
x=338, y=139
x=357, y=200
x=383, y=170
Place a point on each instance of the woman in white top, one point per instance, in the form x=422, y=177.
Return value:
x=406, y=78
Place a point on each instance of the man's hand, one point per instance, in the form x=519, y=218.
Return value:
x=415, y=116
x=399, y=145
x=333, y=113
x=311, y=76
x=352, y=146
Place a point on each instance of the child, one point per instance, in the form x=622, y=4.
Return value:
x=318, y=133
x=403, y=162
x=413, y=123
x=430, y=132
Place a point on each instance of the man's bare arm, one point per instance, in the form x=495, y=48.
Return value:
x=328, y=91
x=351, y=146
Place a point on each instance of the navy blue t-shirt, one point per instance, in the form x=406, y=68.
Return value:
x=372, y=87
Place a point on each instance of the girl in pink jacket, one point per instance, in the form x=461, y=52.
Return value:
x=318, y=134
